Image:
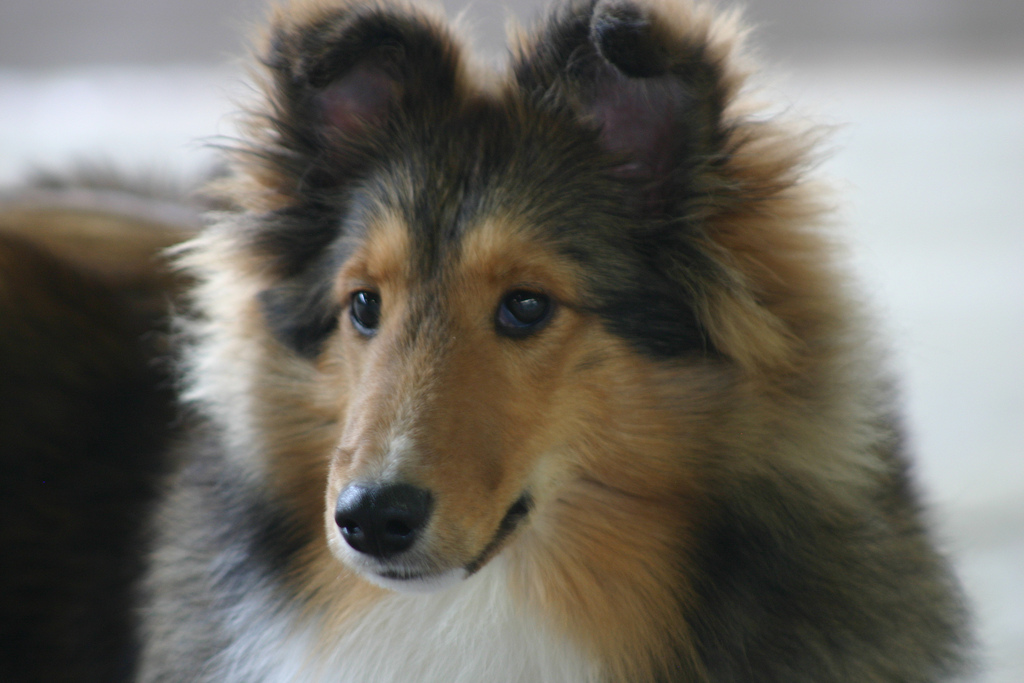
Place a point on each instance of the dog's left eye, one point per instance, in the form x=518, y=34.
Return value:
x=521, y=313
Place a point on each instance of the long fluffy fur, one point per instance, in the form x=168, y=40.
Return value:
x=691, y=470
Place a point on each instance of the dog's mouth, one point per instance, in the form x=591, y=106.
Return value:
x=405, y=578
x=410, y=581
x=518, y=512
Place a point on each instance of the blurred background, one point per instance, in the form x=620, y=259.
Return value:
x=926, y=98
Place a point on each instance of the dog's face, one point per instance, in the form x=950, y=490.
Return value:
x=474, y=342
x=464, y=378
x=504, y=294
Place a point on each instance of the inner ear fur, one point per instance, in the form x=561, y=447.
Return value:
x=659, y=83
x=653, y=91
x=339, y=79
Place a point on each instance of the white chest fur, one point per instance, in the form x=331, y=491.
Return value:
x=468, y=633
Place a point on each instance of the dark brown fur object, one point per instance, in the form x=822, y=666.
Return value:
x=85, y=415
x=548, y=375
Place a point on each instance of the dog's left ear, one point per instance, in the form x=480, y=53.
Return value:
x=653, y=94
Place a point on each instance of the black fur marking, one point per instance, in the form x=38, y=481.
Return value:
x=255, y=533
x=776, y=574
x=276, y=539
x=292, y=238
x=661, y=323
x=622, y=34
x=301, y=318
x=303, y=311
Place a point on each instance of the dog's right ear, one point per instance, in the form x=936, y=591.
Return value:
x=343, y=81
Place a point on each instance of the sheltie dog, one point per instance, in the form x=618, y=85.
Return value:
x=543, y=375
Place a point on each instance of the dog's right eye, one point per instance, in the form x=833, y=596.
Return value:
x=522, y=313
x=365, y=312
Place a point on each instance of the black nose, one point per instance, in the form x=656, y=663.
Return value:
x=382, y=520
